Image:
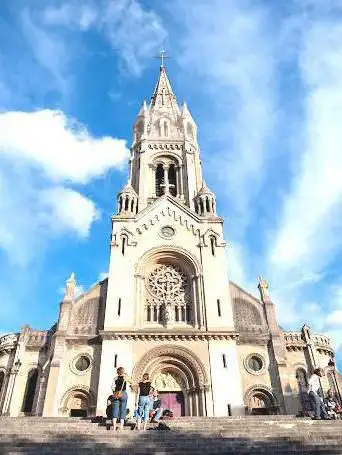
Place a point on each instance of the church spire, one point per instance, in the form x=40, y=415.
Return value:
x=163, y=96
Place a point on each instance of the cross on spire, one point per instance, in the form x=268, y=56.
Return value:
x=162, y=55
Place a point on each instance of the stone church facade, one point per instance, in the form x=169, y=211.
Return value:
x=167, y=306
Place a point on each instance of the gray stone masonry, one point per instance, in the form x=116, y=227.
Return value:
x=189, y=436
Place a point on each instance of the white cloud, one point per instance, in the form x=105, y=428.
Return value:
x=334, y=318
x=72, y=15
x=133, y=31
x=65, y=209
x=236, y=62
x=60, y=146
x=51, y=51
x=103, y=276
x=309, y=234
x=64, y=152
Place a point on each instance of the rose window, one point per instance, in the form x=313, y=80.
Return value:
x=168, y=301
x=167, y=282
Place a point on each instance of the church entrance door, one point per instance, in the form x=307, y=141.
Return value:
x=174, y=401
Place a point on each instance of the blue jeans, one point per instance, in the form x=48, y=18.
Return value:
x=144, y=407
x=318, y=406
x=158, y=414
x=120, y=406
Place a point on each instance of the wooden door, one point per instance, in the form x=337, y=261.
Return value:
x=174, y=401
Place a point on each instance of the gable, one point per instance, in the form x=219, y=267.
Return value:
x=88, y=310
x=247, y=310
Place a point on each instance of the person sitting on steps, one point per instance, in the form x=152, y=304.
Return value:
x=157, y=409
x=331, y=405
x=119, y=387
x=314, y=394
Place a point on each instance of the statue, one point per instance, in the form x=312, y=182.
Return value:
x=263, y=287
x=70, y=287
x=167, y=314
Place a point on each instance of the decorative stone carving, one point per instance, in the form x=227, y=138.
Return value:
x=167, y=282
x=246, y=314
x=70, y=287
x=168, y=285
x=8, y=342
x=260, y=364
x=167, y=232
x=167, y=382
x=194, y=366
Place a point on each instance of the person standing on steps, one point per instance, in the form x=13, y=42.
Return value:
x=314, y=394
x=144, y=402
x=119, y=387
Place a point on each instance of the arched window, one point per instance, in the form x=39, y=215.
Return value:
x=120, y=204
x=132, y=205
x=166, y=129
x=159, y=180
x=126, y=203
x=124, y=243
x=196, y=206
x=172, y=175
x=207, y=204
x=168, y=296
x=201, y=207
x=212, y=245
x=30, y=390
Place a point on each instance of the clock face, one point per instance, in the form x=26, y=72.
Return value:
x=167, y=232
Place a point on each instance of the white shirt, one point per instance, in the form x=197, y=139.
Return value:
x=314, y=384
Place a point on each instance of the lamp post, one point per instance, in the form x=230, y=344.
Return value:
x=332, y=366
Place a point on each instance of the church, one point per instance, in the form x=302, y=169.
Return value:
x=167, y=307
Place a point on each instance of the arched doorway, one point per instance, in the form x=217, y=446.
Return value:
x=77, y=402
x=30, y=391
x=261, y=401
x=170, y=387
x=179, y=376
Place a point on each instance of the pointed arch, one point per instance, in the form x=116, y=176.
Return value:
x=30, y=390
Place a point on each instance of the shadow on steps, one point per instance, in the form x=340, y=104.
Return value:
x=165, y=441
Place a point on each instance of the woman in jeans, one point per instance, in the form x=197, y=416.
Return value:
x=144, y=403
x=119, y=388
x=314, y=394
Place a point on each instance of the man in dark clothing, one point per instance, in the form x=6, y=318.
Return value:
x=109, y=412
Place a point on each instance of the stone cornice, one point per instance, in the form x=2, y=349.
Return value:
x=260, y=339
x=167, y=335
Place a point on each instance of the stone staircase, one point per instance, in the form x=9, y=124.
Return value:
x=188, y=436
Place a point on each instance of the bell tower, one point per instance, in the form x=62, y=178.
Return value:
x=165, y=153
x=168, y=307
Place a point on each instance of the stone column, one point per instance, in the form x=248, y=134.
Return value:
x=195, y=301
x=41, y=395
x=166, y=178
x=189, y=392
x=196, y=399
x=181, y=176
x=153, y=180
x=6, y=409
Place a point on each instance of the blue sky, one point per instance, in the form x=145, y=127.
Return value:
x=263, y=81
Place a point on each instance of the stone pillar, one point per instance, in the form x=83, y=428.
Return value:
x=189, y=392
x=196, y=392
x=153, y=180
x=50, y=397
x=41, y=395
x=6, y=409
x=195, y=301
x=181, y=184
